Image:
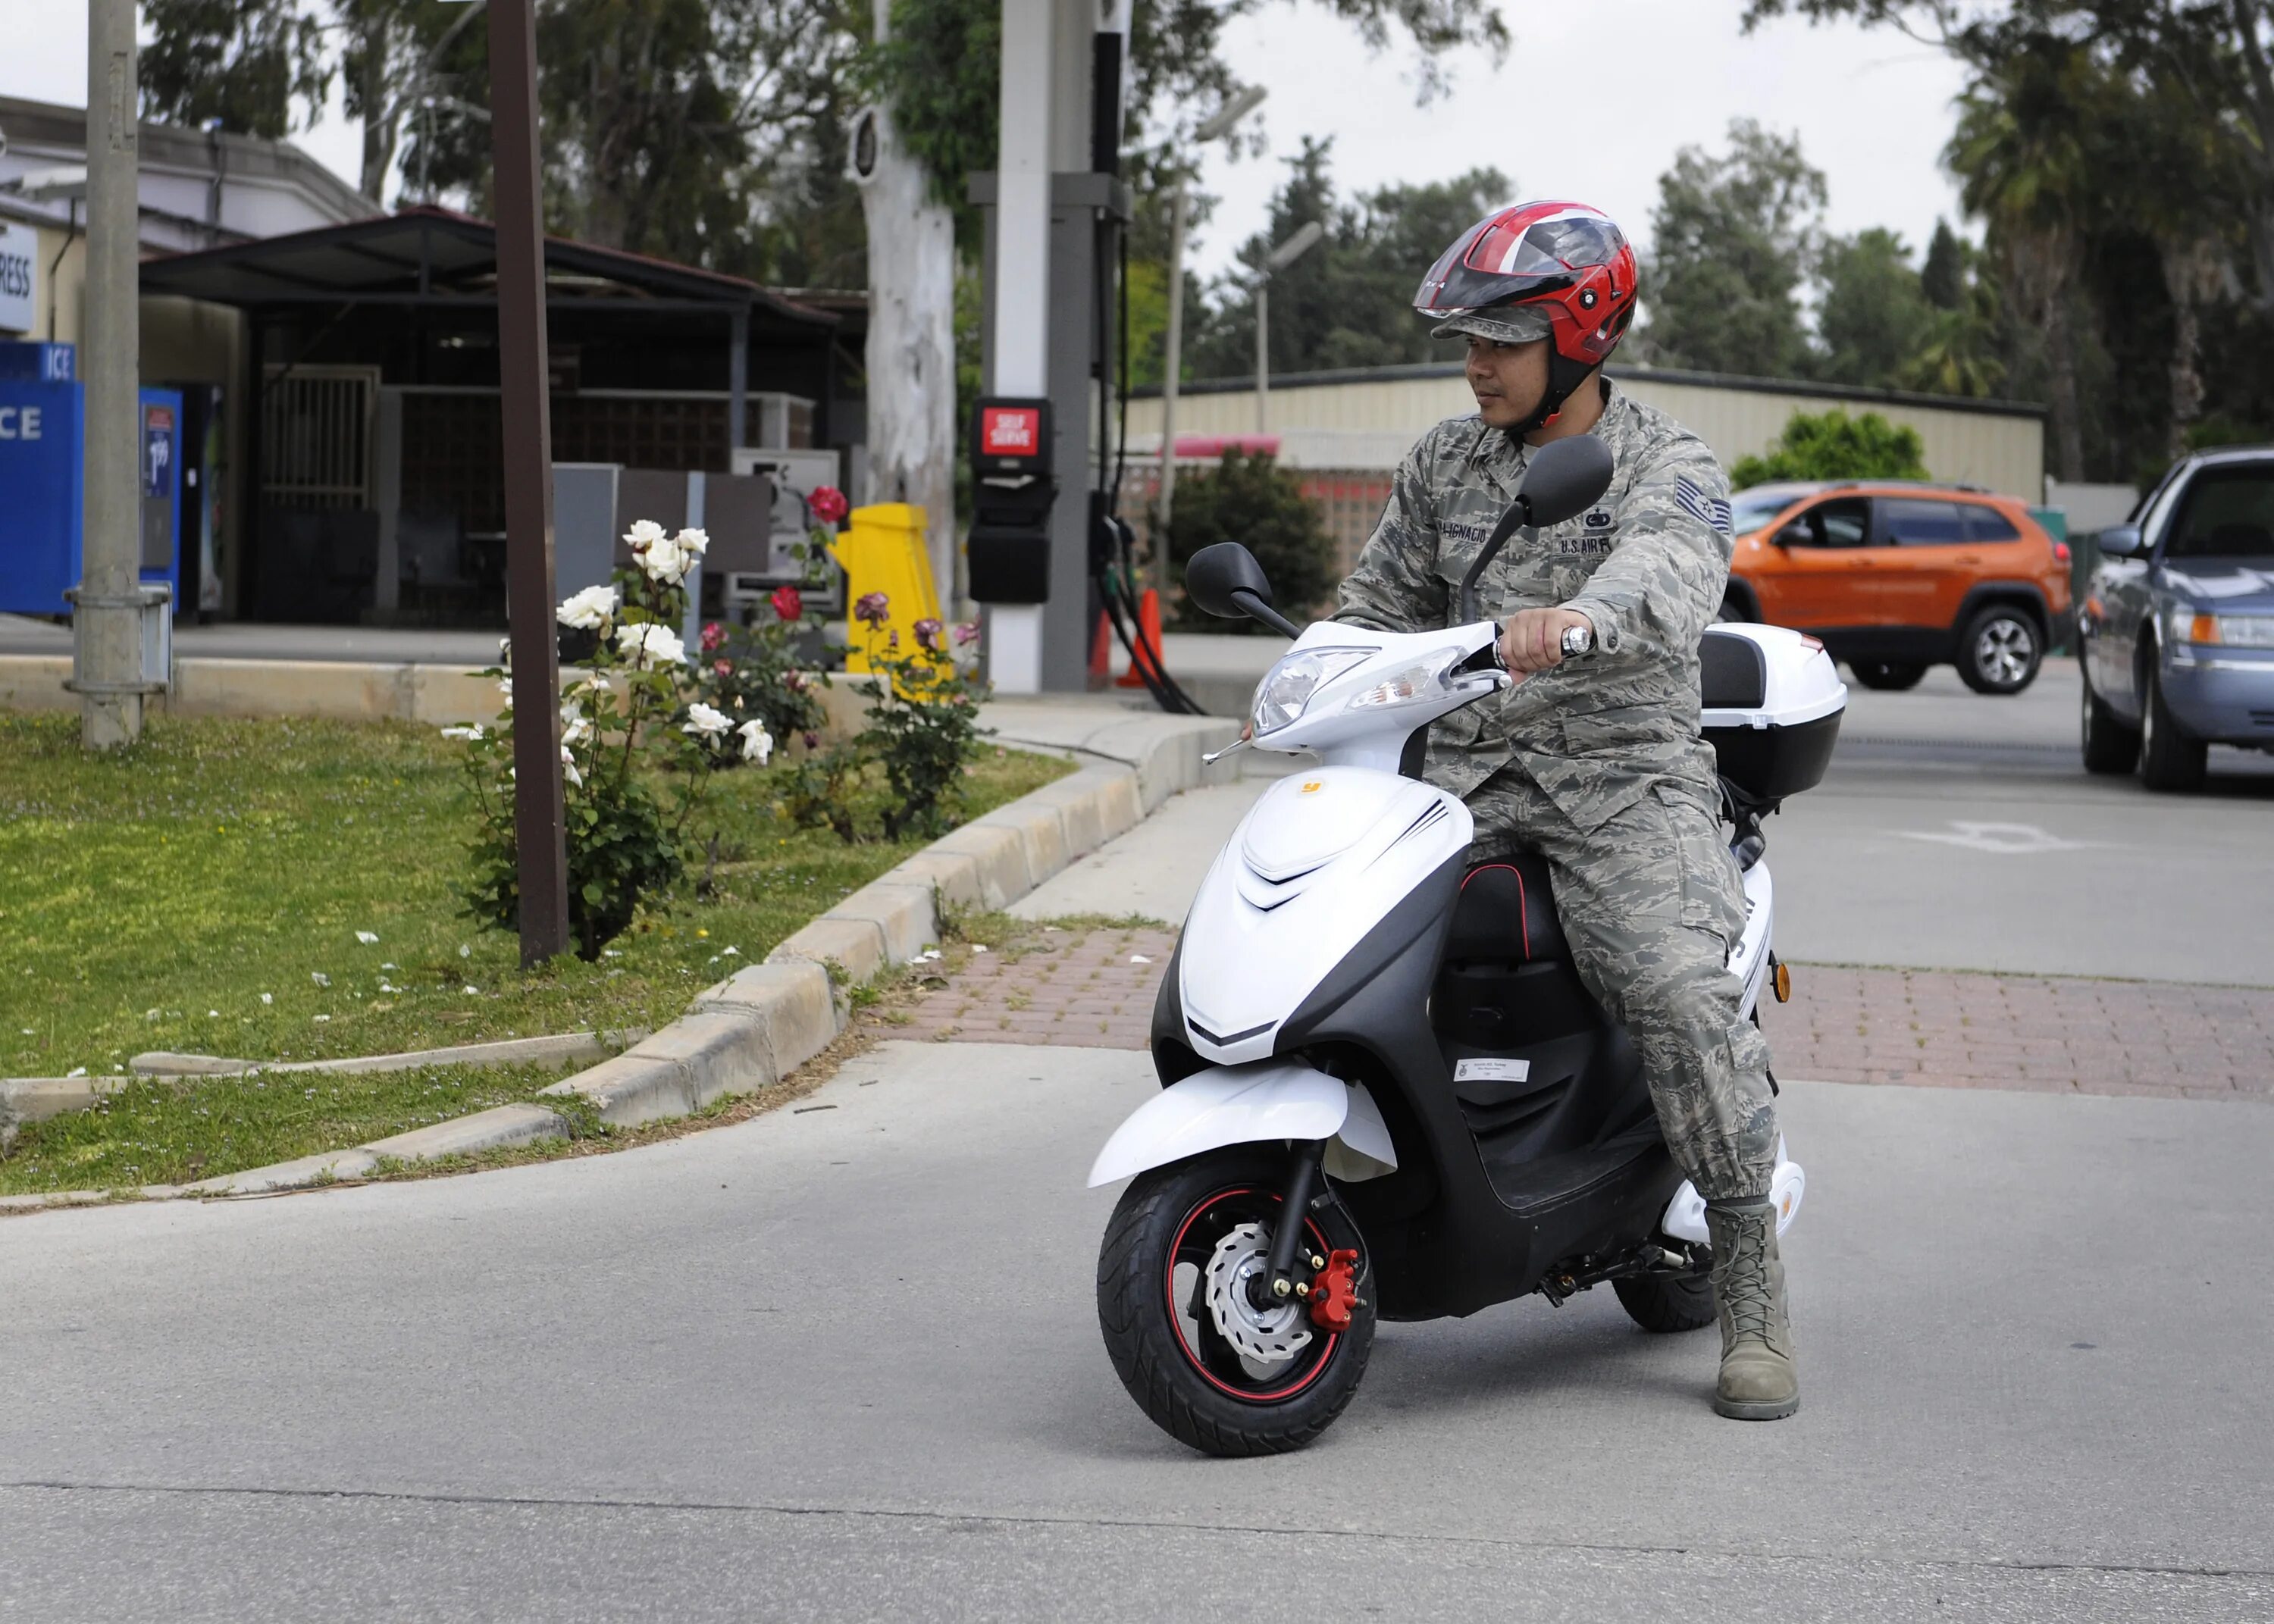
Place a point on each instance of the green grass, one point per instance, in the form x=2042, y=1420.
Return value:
x=187, y=894
x=158, y=1133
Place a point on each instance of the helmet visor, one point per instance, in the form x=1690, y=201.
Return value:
x=1502, y=257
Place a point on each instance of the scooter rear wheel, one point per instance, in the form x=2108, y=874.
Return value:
x=1180, y=1240
x=1668, y=1302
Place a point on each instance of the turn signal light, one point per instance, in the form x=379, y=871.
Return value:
x=1780, y=978
x=2061, y=552
x=2203, y=628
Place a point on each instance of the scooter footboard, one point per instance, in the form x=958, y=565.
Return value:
x=1271, y=1100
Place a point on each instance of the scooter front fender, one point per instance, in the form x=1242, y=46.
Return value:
x=1268, y=1100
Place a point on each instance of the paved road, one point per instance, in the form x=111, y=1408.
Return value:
x=843, y=1363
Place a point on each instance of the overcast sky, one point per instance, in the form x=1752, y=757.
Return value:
x=1592, y=102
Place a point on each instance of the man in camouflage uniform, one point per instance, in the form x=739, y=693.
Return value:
x=1598, y=765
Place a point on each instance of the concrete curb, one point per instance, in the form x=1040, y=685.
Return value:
x=749, y=1030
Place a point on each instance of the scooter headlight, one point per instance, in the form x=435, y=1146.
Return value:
x=1288, y=686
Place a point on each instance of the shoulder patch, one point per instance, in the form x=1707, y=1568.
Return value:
x=1692, y=500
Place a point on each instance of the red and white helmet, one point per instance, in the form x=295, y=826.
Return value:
x=1561, y=271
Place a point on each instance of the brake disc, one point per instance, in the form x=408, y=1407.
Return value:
x=1268, y=1337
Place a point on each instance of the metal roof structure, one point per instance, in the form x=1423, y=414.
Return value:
x=437, y=258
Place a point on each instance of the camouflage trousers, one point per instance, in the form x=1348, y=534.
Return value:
x=1651, y=903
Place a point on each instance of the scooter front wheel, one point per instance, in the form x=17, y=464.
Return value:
x=1211, y=1369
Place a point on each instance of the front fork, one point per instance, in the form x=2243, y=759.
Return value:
x=1326, y=1285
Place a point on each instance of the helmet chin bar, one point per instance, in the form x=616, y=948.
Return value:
x=1564, y=375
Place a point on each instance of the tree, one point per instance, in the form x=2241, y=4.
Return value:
x=1835, y=446
x=1349, y=302
x=1943, y=277
x=2024, y=157
x=1252, y=500
x=1874, y=317
x=1733, y=238
x=231, y=64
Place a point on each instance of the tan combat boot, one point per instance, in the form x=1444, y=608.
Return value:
x=1758, y=1382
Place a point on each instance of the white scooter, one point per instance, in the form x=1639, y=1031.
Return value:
x=1362, y=1029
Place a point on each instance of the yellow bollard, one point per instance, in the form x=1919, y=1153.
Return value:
x=884, y=552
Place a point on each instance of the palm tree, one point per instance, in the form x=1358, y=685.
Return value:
x=2024, y=157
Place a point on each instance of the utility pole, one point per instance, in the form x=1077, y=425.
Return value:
x=1172, y=363
x=1172, y=372
x=1279, y=260
x=106, y=615
x=524, y=397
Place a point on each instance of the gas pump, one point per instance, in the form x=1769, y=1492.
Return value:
x=1044, y=539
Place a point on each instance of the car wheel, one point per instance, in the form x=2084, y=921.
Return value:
x=2169, y=760
x=1734, y=608
x=1999, y=650
x=2110, y=747
x=1891, y=676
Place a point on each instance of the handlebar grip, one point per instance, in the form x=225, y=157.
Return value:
x=1577, y=641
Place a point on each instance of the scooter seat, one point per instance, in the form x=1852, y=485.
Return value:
x=1507, y=911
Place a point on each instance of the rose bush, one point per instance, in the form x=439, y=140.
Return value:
x=756, y=671
x=617, y=742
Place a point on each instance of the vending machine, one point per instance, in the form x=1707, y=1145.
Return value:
x=42, y=457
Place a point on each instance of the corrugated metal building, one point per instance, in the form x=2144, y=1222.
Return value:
x=1347, y=430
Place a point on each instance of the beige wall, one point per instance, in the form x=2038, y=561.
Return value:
x=2003, y=451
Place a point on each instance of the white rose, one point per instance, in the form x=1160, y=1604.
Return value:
x=693, y=542
x=472, y=731
x=665, y=563
x=704, y=722
x=643, y=534
x=590, y=610
x=656, y=645
x=576, y=732
x=758, y=743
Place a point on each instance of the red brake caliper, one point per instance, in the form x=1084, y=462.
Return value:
x=1333, y=1291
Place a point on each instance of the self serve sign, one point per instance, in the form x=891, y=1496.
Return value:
x=19, y=253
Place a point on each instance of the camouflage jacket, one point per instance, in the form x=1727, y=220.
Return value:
x=1646, y=565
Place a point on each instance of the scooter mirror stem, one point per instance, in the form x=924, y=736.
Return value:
x=1511, y=521
x=1564, y=478
x=1257, y=609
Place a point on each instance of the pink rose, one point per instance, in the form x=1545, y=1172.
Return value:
x=713, y=635
x=828, y=504
x=724, y=668
x=874, y=608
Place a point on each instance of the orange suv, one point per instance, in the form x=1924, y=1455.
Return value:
x=1896, y=577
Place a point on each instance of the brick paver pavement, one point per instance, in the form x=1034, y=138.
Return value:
x=2063, y=1034
x=1090, y=988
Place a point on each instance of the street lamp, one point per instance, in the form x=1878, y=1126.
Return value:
x=1211, y=129
x=1279, y=259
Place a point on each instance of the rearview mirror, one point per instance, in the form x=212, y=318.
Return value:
x=1566, y=477
x=1793, y=534
x=1214, y=573
x=2122, y=541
